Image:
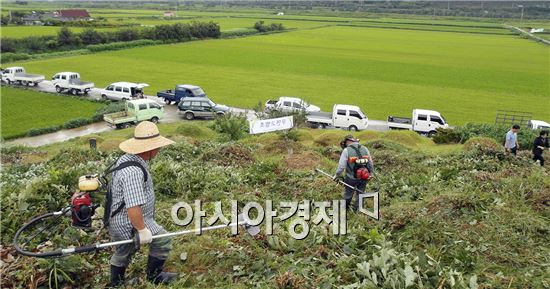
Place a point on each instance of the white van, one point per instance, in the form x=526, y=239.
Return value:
x=123, y=91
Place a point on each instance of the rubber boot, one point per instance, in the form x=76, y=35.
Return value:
x=155, y=274
x=117, y=276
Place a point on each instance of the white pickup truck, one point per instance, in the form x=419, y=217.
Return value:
x=290, y=104
x=423, y=121
x=18, y=75
x=538, y=124
x=70, y=81
x=343, y=116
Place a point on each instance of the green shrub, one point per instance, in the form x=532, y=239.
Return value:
x=497, y=132
x=45, y=130
x=110, y=108
x=11, y=57
x=238, y=32
x=261, y=26
x=233, y=126
x=194, y=130
x=484, y=145
x=78, y=122
x=447, y=136
x=121, y=45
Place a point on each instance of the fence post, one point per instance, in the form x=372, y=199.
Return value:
x=93, y=143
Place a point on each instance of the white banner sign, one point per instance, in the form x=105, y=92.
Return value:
x=269, y=125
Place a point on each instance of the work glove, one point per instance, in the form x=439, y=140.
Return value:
x=143, y=236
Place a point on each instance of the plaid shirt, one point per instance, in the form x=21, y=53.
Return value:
x=128, y=185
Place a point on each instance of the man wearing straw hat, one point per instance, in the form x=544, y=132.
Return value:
x=133, y=206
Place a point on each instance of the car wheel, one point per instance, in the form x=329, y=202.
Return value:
x=24, y=82
x=104, y=97
x=220, y=114
x=189, y=116
x=73, y=91
x=322, y=126
x=8, y=81
x=432, y=133
x=58, y=89
x=155, y=120
x=167, y=101
x=126, y=125
x=352, y=128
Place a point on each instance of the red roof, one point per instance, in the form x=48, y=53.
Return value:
x=74, y=13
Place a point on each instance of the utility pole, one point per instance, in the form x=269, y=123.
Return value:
x=521, y=18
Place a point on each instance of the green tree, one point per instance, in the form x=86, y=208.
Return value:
x=65, y=37
x=91, y=36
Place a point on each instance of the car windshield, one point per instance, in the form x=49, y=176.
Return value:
x=362, y=114
x=211, y=103
x=198, y=91
x=443, y=119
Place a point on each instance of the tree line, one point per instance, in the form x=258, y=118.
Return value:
x=69, y=40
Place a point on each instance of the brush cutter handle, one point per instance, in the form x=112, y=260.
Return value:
x=377, y=187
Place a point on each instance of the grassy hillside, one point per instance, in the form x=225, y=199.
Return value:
x=385, y=71
x=451, y=216
x=23, y=110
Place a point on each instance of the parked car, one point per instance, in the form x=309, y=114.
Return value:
x=181, y=91
x=70, y=81
x=136, y=110
x=19, y=76
x=538, y=124
x=123, y=91
x=343, y=116
x=290, y=104
x=192, y=107
x=422, y=121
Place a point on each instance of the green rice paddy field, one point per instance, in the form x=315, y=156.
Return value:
x=27, y=109
x=465, y=76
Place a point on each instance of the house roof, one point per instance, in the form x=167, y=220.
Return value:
x=74, y=13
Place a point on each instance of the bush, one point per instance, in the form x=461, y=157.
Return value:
x=121, y=45
x=238, y=32
x=45, y=130
x=112, y=107
x=262, y=27
x=446, y=136
x=91, y=36
x=65, y=37
x=78, y=122
x=233, y=126
x=11, y=57
x=484, y=145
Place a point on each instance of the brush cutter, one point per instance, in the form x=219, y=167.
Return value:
x=374, y=214
x=39, y=252
x=348, y=185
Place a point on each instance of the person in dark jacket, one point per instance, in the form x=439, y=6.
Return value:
x=539, y=145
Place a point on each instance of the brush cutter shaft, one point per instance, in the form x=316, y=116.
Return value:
x=166, y=235
x=341, y=182
x=100, y=246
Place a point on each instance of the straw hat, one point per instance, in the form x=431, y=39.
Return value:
x=146, y=138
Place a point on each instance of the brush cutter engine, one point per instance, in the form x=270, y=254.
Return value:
x=82, y=209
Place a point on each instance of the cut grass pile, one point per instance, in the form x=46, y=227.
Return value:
x=384, y=71
x=23, y=110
